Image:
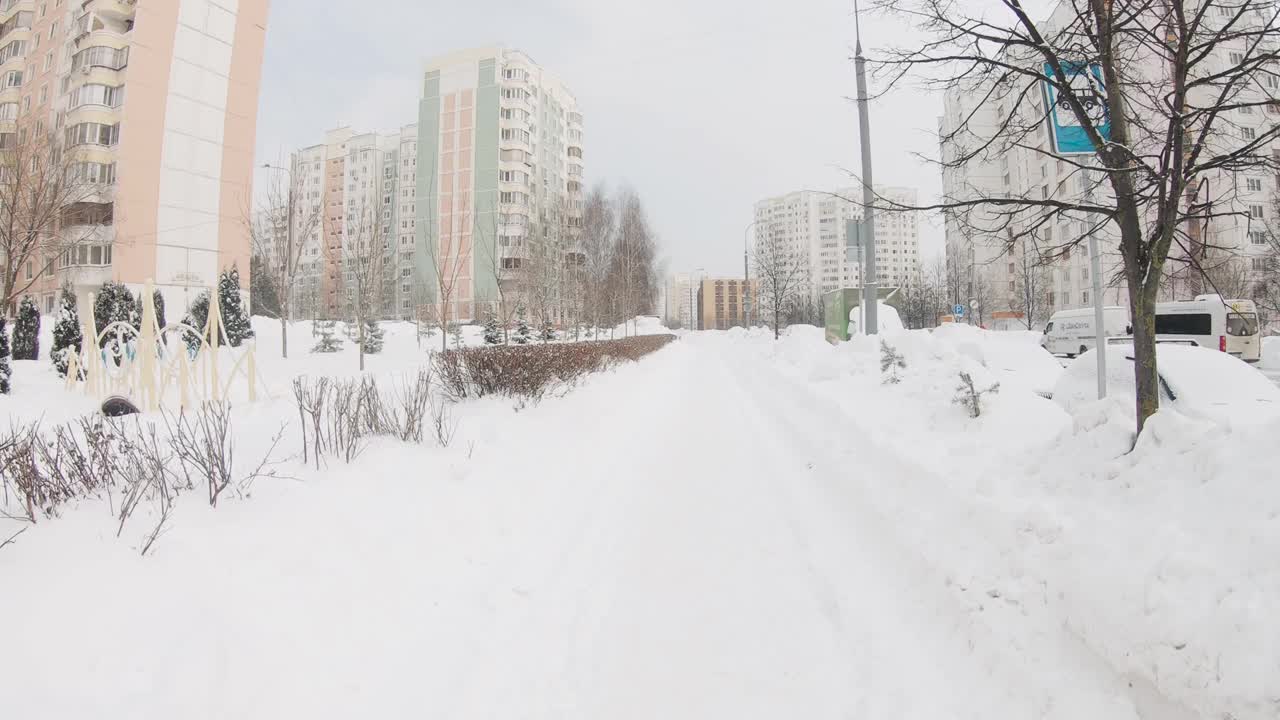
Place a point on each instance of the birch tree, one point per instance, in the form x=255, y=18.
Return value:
x=286, y=223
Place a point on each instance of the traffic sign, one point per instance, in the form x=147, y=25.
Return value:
x=959, y=310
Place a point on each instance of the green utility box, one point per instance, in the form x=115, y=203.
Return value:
x=837, y=305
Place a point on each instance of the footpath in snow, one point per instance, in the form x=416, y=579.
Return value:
x=730, y=528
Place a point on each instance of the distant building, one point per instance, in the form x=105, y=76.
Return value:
x=681, y=300
x=720, y=303
x=813, y=224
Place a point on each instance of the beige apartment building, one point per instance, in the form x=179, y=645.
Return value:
x=157, y=102
x=720, y=303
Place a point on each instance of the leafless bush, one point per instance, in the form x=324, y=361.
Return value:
x=338, y=416
x=443, y=425
x=530, y=371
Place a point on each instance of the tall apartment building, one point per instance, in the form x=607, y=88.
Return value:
x=156, y=102
x=500, y=175
x=813, y=224
x=979, y=252
x=363, y=186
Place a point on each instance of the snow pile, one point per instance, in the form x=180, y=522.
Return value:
x=1197, y=382
x=1271, y=353
x=1161, y=561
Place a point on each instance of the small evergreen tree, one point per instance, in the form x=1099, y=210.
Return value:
x=196, y=318
x=5, y=369
x=523, y=334
x=492, y=331
x=157, y=299
x=26, y=331
x=234, y=318
x=548, y=333
x=328, y=341
x=114, y=304
x=66, y=331
x=890, y=361
x=373, y=333
x=455, y=331
x=969, y=397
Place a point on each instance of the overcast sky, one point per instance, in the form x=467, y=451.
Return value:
x=704, y=106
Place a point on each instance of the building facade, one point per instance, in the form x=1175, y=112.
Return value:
x=721, y=303
x=156, y=103
x=812, y=225
x=500, y=168
x=998, y=261
x=680, y=294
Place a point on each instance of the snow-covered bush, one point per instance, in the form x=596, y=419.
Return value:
x=66, y=331
x=26, y=331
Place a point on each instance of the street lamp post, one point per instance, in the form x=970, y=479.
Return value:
x=746, y=276
x=870, y=283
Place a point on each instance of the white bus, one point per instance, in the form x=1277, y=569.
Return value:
x=1230, y=326
x=1071, y=332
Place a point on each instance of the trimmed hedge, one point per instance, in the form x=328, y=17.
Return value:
x=530, y=370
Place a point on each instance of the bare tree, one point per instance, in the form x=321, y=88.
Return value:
x=52, y=201
x=597, y=244
x=279, y=232
x=634, y=281
x=500, y=254
x=365, y=250
x=781, y=276
x=1157, y=90
x=1033, y=285
x=448, y=253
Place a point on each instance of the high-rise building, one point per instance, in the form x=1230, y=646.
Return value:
x=499, y=179
x=995, y=255
x=363, y=185
x=156, y=104
x=680, y=306
x=813, y=225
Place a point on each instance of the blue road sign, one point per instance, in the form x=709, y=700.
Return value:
x=1065, y=130
x=959, y=310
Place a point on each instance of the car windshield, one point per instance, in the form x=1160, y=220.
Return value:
x=1242, y=324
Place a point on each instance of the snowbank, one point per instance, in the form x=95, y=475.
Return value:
x=1159, y=560
x=1198, y=382
x=1271, y=353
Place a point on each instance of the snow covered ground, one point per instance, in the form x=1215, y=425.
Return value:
x=733, y=527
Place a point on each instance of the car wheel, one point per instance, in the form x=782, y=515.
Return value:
x=1083, y=350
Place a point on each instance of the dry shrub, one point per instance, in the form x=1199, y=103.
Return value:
x=39, y=472
x=530, y=371
x=338, y=416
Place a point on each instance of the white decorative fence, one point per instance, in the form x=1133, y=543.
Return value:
x=151, y=365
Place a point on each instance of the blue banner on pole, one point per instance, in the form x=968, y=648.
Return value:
x=1066, y=133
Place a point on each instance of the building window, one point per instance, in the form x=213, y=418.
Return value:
x=1257, y=237
x=1084, y=298
x=1259, y=263
x=1256, y=211
x=1253, y=184
x=1248, y=133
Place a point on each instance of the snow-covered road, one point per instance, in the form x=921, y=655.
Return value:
x=683, y=538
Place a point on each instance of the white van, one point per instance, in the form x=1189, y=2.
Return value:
x=1230, y=326
x=1071, y=332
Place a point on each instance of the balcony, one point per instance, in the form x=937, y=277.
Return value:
x=120, y=11
x=575, y=151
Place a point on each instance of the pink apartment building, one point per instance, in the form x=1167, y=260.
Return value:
x=159, y=98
